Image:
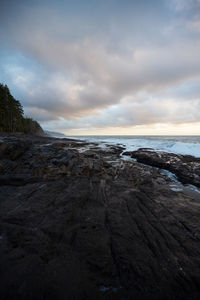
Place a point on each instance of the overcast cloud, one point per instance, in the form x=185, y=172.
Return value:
x=103, y=64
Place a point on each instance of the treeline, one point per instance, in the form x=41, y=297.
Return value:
x=11, y=115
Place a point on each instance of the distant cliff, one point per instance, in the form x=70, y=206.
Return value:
x=12, y=116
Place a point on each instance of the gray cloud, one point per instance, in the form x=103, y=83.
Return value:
x=76, y=70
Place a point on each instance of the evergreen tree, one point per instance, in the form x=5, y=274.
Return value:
x=11, y=115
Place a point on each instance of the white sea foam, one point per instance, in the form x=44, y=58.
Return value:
x=176, y=188
x=186, y=145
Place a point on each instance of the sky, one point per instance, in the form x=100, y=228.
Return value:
x=104, y=67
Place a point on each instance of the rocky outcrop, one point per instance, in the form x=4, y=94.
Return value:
x=12, y=149
x=81, y=223
x=185, y=167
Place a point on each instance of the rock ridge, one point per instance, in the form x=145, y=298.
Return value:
x=80, y=222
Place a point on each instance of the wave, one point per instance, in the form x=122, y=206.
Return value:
x=186, y=145
x=167, y=146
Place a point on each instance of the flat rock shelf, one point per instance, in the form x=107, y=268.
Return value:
x=80, y=222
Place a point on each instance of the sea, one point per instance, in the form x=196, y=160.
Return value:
x=186, y=145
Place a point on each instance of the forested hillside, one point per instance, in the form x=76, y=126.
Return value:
x=11, y=115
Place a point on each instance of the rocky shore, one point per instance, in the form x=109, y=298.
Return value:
x=185, y=167
x=82, y=221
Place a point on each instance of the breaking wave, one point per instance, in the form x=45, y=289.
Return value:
x=186, y=145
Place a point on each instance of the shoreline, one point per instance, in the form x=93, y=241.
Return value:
x=180, y=145
x=78, y=221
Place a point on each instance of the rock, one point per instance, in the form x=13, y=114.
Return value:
x=17, y=179
x=13, y=149
x=94, y=226
x=128, y=153
x=185, y=167
x=90, y=154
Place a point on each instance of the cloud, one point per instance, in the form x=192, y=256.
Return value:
x=132, y=114
x=183, y=5
x=131, y=66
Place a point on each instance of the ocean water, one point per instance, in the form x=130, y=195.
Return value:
x=187, y=145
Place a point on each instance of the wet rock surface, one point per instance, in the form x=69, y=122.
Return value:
x=185, y=167
x=79, y=222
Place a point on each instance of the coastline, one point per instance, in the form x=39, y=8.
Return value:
x=79, y=221
x=180, y=145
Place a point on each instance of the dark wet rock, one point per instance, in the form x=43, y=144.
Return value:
x=185, y=167
x=128, y=153
x=17, y=179
x=90, y=153
x=13, y=149
x=89, y=225
x=110, y=150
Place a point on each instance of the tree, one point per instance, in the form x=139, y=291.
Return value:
x=11, y=115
